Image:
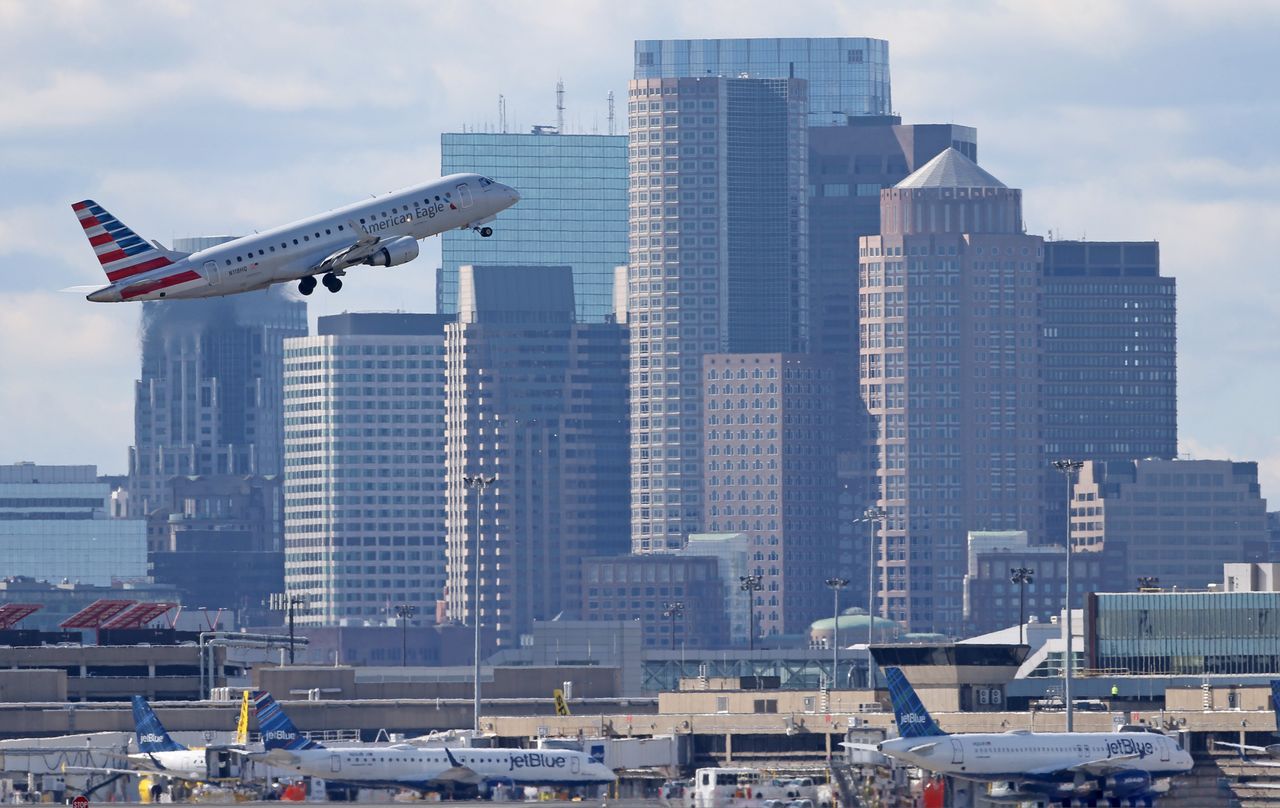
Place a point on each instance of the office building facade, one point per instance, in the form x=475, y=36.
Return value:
x=364, y=488
x=949, y=359
x=208, y=399
x=1172, y=522
x=55, y=525
x=846, y=75
x=678, y=600
x=774, y=426
x=717, y=264
x=572, y=210
x=536, y=402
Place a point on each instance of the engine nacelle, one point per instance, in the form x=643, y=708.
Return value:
x=396, y=251
x=1128, y=783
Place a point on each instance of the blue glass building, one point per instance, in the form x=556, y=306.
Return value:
x=846, y=75
x=573, y=211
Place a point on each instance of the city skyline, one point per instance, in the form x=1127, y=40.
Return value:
x=1100, y=116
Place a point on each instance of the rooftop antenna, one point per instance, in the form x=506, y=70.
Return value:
x=611, y=127
x=560, y=106
x=502, y=113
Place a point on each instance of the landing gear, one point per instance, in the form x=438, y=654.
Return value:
x=307, y=285
x=332, y=282
x=485, y=232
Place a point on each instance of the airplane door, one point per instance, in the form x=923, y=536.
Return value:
x=573, y=764
x=1164, y=750
x=464, y=196
x=211, y=272
x=335, y=763
x=957, y=752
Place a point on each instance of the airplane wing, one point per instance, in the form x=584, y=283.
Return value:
x=457, y=772
x=1241, y=747
x=1100, y=767
x=169, y=773
x=353, y=253
x=278, y=757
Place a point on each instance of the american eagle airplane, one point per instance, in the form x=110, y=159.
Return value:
x=1134, y=766
x=383, y=231
x=413, y=767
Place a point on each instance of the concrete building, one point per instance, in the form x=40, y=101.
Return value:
x=847, y=76
x=1110, y=359
x=55, y=526
x=364, y=486
x=538, y=402
x=208, y=400
x=572, y=211
x=774, y=427
x=718, y=264
x=1176, y=521
x=644, y=588
x=221, y=546
x=949, y=359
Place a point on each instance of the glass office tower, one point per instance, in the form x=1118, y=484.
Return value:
x=846, y=75
x=572, y=212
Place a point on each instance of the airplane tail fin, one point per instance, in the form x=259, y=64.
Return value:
x=912, y=718
x=151, y=734
x=122, y=252
x=242, y=724
x=277, y=731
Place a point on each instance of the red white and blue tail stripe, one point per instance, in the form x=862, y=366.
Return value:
x=122, y=252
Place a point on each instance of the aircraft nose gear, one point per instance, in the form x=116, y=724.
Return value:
x=332, y=282
x=307, y=285
x=484, y=232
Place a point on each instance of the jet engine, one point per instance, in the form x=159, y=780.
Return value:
x=1126, y=784
x=396, y=251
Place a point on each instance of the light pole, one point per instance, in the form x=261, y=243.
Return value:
x=1022, y=576
x=289, y=604
x=477, y=483
x=872, y=515
x=673, y=610
x=404, y=611
x=836, y=585
x=751, y=584
x=1068, y=467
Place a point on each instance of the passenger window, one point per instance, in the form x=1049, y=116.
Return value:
x=284, y=246
x=239, y=260
x=260, y=252
x=228, y=262
x=306, y=238
x=328, y=232
x=339, y=227
x=272, y=248
x=362, y=221
x=317, y=234
x=295, y=242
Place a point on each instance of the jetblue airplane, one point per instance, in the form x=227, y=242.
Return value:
x=383, y=231
x=412, y=767
x=157, y=752
x=1130, y=765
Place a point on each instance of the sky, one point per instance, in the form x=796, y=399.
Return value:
x=1119, y=120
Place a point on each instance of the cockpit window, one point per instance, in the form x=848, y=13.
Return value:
x=485, y=182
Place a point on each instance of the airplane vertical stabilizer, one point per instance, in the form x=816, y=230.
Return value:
x=122, y=252
x=151, y=734
x=277, y=731
x=912, y=718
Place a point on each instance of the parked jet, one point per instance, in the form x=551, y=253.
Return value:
x=1132, y=765
x=418, y=768
x=1271, y=750
x=383, y=231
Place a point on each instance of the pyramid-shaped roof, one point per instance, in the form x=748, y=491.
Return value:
x=950, y=169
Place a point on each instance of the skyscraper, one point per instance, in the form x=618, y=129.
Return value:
x=1110, y=358
x=572, y=211
x=364, y=480
x=717, y=263
x=209, y=397
x=846, y=75
x=537, y=403
x=949, y=313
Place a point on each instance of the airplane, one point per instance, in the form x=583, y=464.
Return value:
x=1131, y=765
x=418, y=768
x=1271, y=749
x=383, y=231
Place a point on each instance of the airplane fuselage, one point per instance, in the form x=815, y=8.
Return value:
x=1022, y=754
x=389, y=226
x=417, y=767
x=188, y=764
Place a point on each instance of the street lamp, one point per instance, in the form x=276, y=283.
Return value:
x=873, y=515
x=673, y=610
x=477, y=483
x=404, y=612
x=750, y=584
x=1068, y=468
x=1022, y=576
x=836, y=585
x=290, y=605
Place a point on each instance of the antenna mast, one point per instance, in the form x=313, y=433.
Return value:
x=502, y=113
x=611, y=130
x=560, y=107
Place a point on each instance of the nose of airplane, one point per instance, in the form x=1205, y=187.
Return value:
x=513, y=193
